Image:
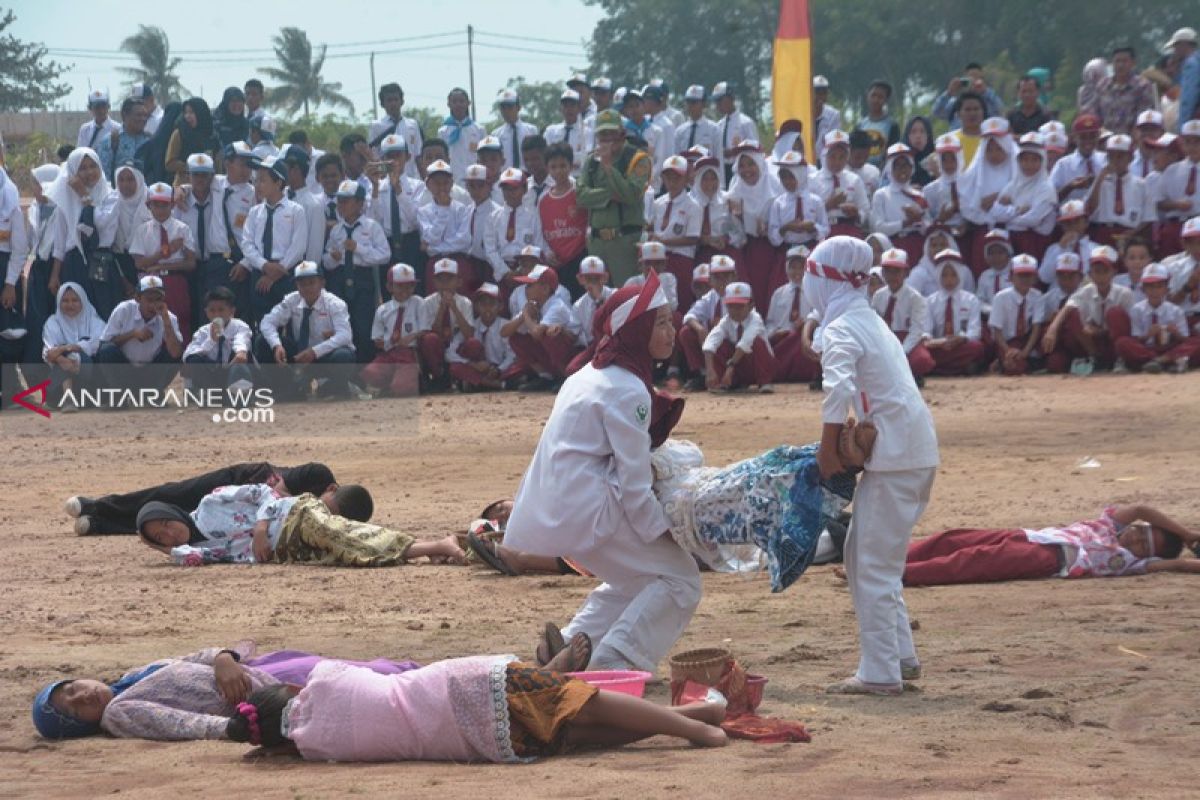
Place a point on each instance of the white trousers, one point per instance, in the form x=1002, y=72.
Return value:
x=649, y=594
x=886, y=507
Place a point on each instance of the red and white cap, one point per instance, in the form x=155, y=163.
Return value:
x=837, y=139
x=842, y=258
x=995, y=126
x=1191, y=229
x=475, y=172
x=950, y=254
x=1102, y=253
x=675, y=163
x=507, y=97
x=445, y=266
x=150, y=283
x=530, y=251
x=1055, y=142
x=1190, y=128
x=738, y=292
x=1072, y=209
x=1119, y=143
x=997, y=236
x=307, y=269
x=650, y=297
x=540, y=273
x=699, y=156
x=402, y=273
x=1025, y=264
x=1086, y=123
x=160, y=193
x=791, y=158
x=894, y=257
x=721, y=263
x=1164, y=142
x=899, y=149
x=489, y=143
x=1032, y=142
x=748, y=146
x=1053, y=126
x=569, y=96
x=946, y=143
x=393, y=144
x=694, y=92
x=512, y=177
x=489, y=289
x=1156, y=273
x=438, y=167
x=593, y=265
x=200, y=162
x=1150, y=117
x=700, y=274
x=797, y=251
x=1068, y=262
x=653, y=251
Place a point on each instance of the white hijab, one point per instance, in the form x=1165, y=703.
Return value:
x=756, y=200
x=62, y=330
x=717, y=202
x=783, y=144
x=68, y=203
x=982, y=178
x=800, y=173
x=131, y=211
x=10, y=198
x=1027, y=187
x=832, y=298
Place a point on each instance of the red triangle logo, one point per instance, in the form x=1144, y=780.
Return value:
x=40, y=391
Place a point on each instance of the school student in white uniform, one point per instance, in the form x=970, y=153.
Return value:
x=395, y=198
x=481, y=360
x=274, y=238
x=358, y=253
x=733, y=128
x=904, y=311
x=393, y=122
x=652, y=256
x=1080, y=335
x=827, y=119
x=297, y=160
x=899, y=209
x=925, y=277
x=143, y=333
x=1073, y=222
x=1178, y=194
x=571, y=131
x=797, y=215
x=954, y=336
x=736, y=351
x=445, y=227
x=785, y=323
x=483, y=209
x=163, y=246
x=1159, y=338
x=944, y=192
x=698, y=130
x=461, y=134
x=233, y=197
x=513, y=226
x=997, y=253
x=1118, y=202
x=219, y=353
x=847, y=206
x=100, y=128
x=593, y=274
x=865, y=372
x=1017, y=318
x=1028, y=205
x=514, y=130
x=676, y=222
x=1074, y=174
x=395, y=331
x=544, y=334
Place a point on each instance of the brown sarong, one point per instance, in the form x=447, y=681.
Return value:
x=540, y=704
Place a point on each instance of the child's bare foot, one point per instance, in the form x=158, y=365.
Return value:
x=840, y=572
x=711, y=713
x=447, y=551
x=709, y=736
x=574, y=657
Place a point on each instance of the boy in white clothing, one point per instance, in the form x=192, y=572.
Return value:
x=219, y=353
x=675, y=224
x=997, y=252
x=1068, y=275
x=1159, y=337
x=480, y=361
x=1073, y=221
x=1178, y=191
x=395, y=329
x=955, y=328
x=444, y=312
x=1016, y=320
x=395, y=198
x=1185, y=274
x=785, y=322
x=654, y=258
x=736, y=352
x=904, y=311
x=705, y=313
x=357, y=249
x=513, y=226
x=164, y=247
x=847, y=205
x=1080, y=336
x=544, y=334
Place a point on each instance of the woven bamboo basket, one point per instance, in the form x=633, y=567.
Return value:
x=704, y=666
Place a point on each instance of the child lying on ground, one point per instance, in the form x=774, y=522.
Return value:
x=254, y=524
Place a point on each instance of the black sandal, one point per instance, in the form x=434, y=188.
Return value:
x=550, y=644
x=489, y=555
x=584, y=660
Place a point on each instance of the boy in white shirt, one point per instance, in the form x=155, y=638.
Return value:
x=483, y=210
x=736, y=352
x=1016, y=320
x=394, y=123
x=298, y=162
x=163, y=246
x=1073, y=221
x=785, y=323
x=395, y=330
x=847, y=206
x=1179, y=190
x=860, y=150
x=460, y=133
x=1068, y=275
x=1136, y=255
x=653, y=258
x=704, y=314
x=445, y=228
x=955, y=328
x=481, y=360
x=141, y=332
x=513, y=130
x=395, y=198
x=733, y=128
x=1074, y=175
x=513, y=226
x=219, y=354
x=196, y=206
x=593, y=275
x=676, y=223
x=358, y=249
x=1080, y=336
x=571, y=131
x=697, y=129
x=1159, y=337
x=444, y=312
x=1118, y=203
x=544, y=335
x=1185, y=274
x=997, y=252
x=274, y=239
x=904, y=310
x=233, y=195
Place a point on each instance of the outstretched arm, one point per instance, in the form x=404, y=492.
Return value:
x=1174, y=565
x=1128, y=514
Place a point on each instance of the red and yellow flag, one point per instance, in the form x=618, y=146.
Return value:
x=791, y=73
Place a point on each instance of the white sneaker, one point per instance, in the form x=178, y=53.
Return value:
x=766, y=388
x=83, y=526
x=1119, y=367
x=1180, y=366
x=73, y=507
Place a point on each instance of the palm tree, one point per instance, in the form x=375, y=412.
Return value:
x=157, y=68
x=299, y=76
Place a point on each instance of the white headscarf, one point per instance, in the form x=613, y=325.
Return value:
x=982, y=178
x=131, y=211
x=783, y=143
x=830, y=297
x=800, y=173
x=717, y=203
x=68, y=203
x=84, y=329
x=10, y=198
x=756, y=200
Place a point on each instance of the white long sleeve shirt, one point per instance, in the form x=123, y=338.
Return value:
x=147, y=240
x=1173, y=186
x=783, y=211
x=780, y=316
x=1072, y=166
x=127, y=318
x=215, y=238
x=462, y=152
x=909, y=313
x=965, y=314
x=887, y=213
x=526, y=230
x=1166, y=315
x=727, y=330
x=409, y=199
x=505, y=132
x=824, y=183
x=408, y=128
x=289, y=226
x=585, y=309
x=237, y=337
x=328, y=327
x=445, y=230
x=372, y=249
x=234, y=200
x=686, y=218
x=432, y=304
x=385, y=320
x=1139, y=207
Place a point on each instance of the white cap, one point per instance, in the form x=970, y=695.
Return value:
x=538, y=272
x=150, y=283
x=894, y=257
x=569, y=96
x=530, y=251
x=200, y=162
x=1150, y=117
x=1055, y=142
x=675, y=164
x=475, y=172
x=1156, y=273
x=140, y=91
x=653, y=251
x=997, y=236
x=512, y=177
x=1068, y=262
x=995, y=126
x=1190, y=128
x=1181, y=35
x=393, y=144
x=721, y=263
x=437, y=167
x=834, y=138
x=738, y=292
x=267, y=124
x=694, y=92
x=1053, y=126
x=241, y=150
x=351, y=188
x=601, y=85
x=97, y=96
x=700, y=273
x=948, y=143
x=792, y=158
x=445, y=266
x=1032, y=142
x=1120, y=143
x=592, y=265
x=1191, y=229
x=402, y=273
x=578, y=77
x=1024, y=263
x=950, y=254
x=899, y=149
x=797, y=251
x=488, y=143
x=1162, y=142
x=720, y=90
x=507, y=97
x=1072, y=209
x=820, y=82
x=160, y=192
x=876, y=272
x=1102, y=253
x=489, y=289
x=306, y=269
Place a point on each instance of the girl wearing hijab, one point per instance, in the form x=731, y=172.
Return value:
x=983, y=183
x=797, y=217
x=78, y=193
x=918, y=135
x=787, y=140
x=38, y=300
x=945, y=193
x=899, y=209
x=587, y=494
x=70, y=338
x=193, y=134
x=716, y=221
x=121, y=214
x=865, y=371
x=176, y=699
x=1028, y=205
x=229, y=118
x=751, y=194
x=154, y=152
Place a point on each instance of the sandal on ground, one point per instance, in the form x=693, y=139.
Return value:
x=567, y=660
x=489, y=554
x=550, y=644
x=854, y=685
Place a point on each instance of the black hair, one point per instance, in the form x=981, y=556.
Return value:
x=492, y=508
x=973, y=65
x=128, y=105
x=298, y=136
x=1025, y=78
x=221, y=294
x=434, y=141
x=390, y=88
x=559, y=150
x=535, y=142
x=350, y=141
x=1138, y=241
x=254, y=83
x=859, y=140
x=965, y=96
x=354, y=502
x=1125, y=49
x=269, y=702
x=330, y=158
x=1173, y=545
x=458, y=90
x=64, y=151
x=882, y=84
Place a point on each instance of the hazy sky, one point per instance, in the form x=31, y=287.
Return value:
x=245, y=28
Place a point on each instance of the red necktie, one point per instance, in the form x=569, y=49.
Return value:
x=954, y=193
x=795, y=303
x=996, y=288
x=836, y=183
x=164, y=244
x=800, y=207
x=740, y=330
x=398, y=328
x=1119, y=200
x=511, y=233
x=1087, y=160
x=666, y=220
x=891, y=309
x=706, y=223
x=1191, y=184
x=1021, y=319
x=948, y=326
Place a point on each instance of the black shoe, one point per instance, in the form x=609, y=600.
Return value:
x=537, y=384
x=816, y=385
x=920, y=381
x=695, y=384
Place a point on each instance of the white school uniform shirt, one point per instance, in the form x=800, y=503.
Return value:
x=328, y=326
x=406, y=127
x=480, y=227
x=1092, y=307
x=409, y=199
x=237, y=340
x=939, y=195
x=1072, y=166
x=666, y=126
x=1173, y=186
x=236, y=200
x=516, y=300
x=830, y=119
x=1139, y=205
x=783, y=211
x=752, y=327
x=707, y=309
x=43, y=225
x=1054, y=300
x=154, y=119
x=127, y=318
x=991, y=283
x=577, y=137
x=585, y=309
x=505, y=132
x=462, y=152
x=1007, y=304
x=371, y=248
x=1124, y=280
x=779, y=313
x=1031, y=206
x=909, y=315
x=887, y=212
x=385, y=320
x=869, y=175
x=534, y=191
x=14, y=239
x=147, y=240
x=215, y=238
x=965, y=314
x=1167, y=315
x=822, y=185
x=670, y=286
x=314, y=218
x=310, y=182
x=1181, y=267
x=864, y=369
x=732, y=130
x=556, y=311
x=686, y=219
x=91, y=134
x=431, y=304
x=496, y=349
x=289, y=227
x=527, y=230
x=707, y=135
x=445, y=230
x=1083, y=249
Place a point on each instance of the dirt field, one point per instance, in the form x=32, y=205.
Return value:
x=1030, y=689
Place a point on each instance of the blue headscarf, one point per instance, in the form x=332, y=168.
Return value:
x=52, y=723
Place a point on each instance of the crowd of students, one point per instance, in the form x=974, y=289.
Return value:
x=476, y=259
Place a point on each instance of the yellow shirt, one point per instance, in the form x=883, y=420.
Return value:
x=970, y=145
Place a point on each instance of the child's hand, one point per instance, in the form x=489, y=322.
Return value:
x=351, y=246
x=9, y=298
x=553, y=330
x=263, y=552
x=829, y=463
x=335, y=254
x=233, y=683
x=239, y=357
x=238, y=273
x=1049, y=341
x=143, y=334
x=176, y=245
x=280, y=355
x=306, y=356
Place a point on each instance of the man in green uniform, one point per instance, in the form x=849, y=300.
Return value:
x=611, y=187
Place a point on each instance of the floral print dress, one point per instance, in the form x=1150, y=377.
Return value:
x=227, y=517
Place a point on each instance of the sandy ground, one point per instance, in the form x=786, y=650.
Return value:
x=1030, y=690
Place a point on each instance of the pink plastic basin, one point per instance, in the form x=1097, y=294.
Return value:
x=631, y=682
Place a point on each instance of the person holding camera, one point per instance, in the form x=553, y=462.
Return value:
x=971, y=80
